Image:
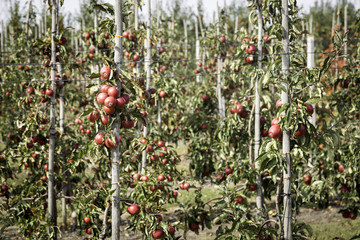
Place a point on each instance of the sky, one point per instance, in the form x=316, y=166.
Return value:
x=73, y=6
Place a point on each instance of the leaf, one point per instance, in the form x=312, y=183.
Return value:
x=94, y=75
x=312, y=101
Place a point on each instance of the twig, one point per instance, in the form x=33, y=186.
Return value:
x=299, y=235
x=35, y=199
x=264, y=223
x=104, y=228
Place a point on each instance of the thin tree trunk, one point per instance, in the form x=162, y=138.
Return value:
x=259, y=194
x=51, y=183
x=286, y=133
x=148, y=73
x=115, y=153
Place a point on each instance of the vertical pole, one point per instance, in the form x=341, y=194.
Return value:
x=40, y=29
x=44, y=23
x=159, y=5
x=186, y=38
x=96, y=30
x=148, y=72
x=201, y=27
x=64, y=183
x=311, y=65
x=136, y=15
x=311, y=25
x=83, y=29
x=286, y=133
x=2, y=39
x=51, y=183
x=115, y=153
x=333, y=25
x=236, y=24
x=28, y=20
x=219, y=66
x=138, y=66
x=259, y=195
x=6, y=35
x=339, y=29
x=11, y=30
x=96, y=67
x=197, y=48
x=345, y=31
x=303, y=30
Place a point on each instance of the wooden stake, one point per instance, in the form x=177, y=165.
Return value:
x=286, y=133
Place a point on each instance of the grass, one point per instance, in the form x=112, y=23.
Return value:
x=338, y=229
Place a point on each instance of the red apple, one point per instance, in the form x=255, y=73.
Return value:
x=275, y=131
x=87, y=220
x=105, y=72
x=158, y=234
x=301, y=131
x=99, y=138
x=100, y=98
x=133, y=209
x=307, y=179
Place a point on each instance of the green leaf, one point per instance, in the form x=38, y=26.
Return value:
x=312, y=101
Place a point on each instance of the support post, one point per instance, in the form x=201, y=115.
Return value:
x=197, y=49
x=286, y=133
x=186, y=38
x=159, y=5
x=148, y=73
x=219, y=67
x=51, y=182
x=311, y=65
x=345, y=32
x=339, y=29
x=115, y=153
x=259, y=194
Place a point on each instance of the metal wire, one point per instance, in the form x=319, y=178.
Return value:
x=175, y=76
x=176, y=60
